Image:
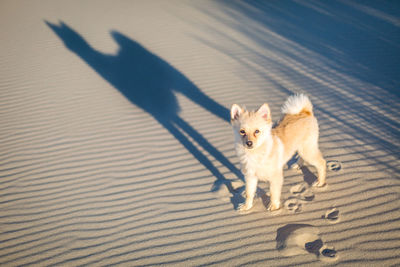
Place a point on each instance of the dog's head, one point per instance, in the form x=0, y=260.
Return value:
x=251, y=127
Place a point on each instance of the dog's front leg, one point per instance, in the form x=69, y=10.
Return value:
x=251, y=187
x=275, y=191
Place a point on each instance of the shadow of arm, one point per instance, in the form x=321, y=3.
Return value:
x=192, y=92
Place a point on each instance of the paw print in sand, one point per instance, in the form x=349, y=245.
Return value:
x=293, y=205
x=333, y=165
x=301, y=193
x=332, y=215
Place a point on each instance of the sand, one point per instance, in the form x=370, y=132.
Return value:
x=116, y=147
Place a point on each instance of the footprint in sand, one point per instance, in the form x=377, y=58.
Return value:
x=292, y=204
x=298, y=189
x=334, y=165
x=332, y=215
x=302, y=192
x=296, y=239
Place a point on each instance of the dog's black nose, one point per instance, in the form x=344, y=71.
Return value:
x=249, y=143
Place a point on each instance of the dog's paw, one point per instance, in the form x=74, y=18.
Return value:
x=319, y=184
x=244, y=207
x=274, y=207
x=296, y=167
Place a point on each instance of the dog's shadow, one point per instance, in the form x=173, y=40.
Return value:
x=261, y=200
x=296, y=162
x=150, y=83
x=308, y=176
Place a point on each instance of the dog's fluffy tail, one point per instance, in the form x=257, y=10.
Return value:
x=296, y=104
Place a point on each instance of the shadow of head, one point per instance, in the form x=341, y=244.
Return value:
x=143, y=78
x=72, y=40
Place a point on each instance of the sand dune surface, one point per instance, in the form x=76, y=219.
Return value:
x=116, y=147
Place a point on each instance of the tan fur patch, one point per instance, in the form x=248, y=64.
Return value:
x=294, y=130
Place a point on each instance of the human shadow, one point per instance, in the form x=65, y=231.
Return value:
x=149, y=82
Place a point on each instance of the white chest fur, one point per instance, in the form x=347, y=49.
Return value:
x=262, y=162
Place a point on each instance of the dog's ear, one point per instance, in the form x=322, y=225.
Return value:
x=235, y=112
x=264, y=112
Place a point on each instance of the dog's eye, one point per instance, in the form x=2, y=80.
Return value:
x=257, y=131
x=242, y=132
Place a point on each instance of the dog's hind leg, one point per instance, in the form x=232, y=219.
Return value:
x=312, y=155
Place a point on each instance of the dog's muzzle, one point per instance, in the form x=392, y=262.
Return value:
x=249, y=144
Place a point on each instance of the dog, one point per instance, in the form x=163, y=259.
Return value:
x=263, y=150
